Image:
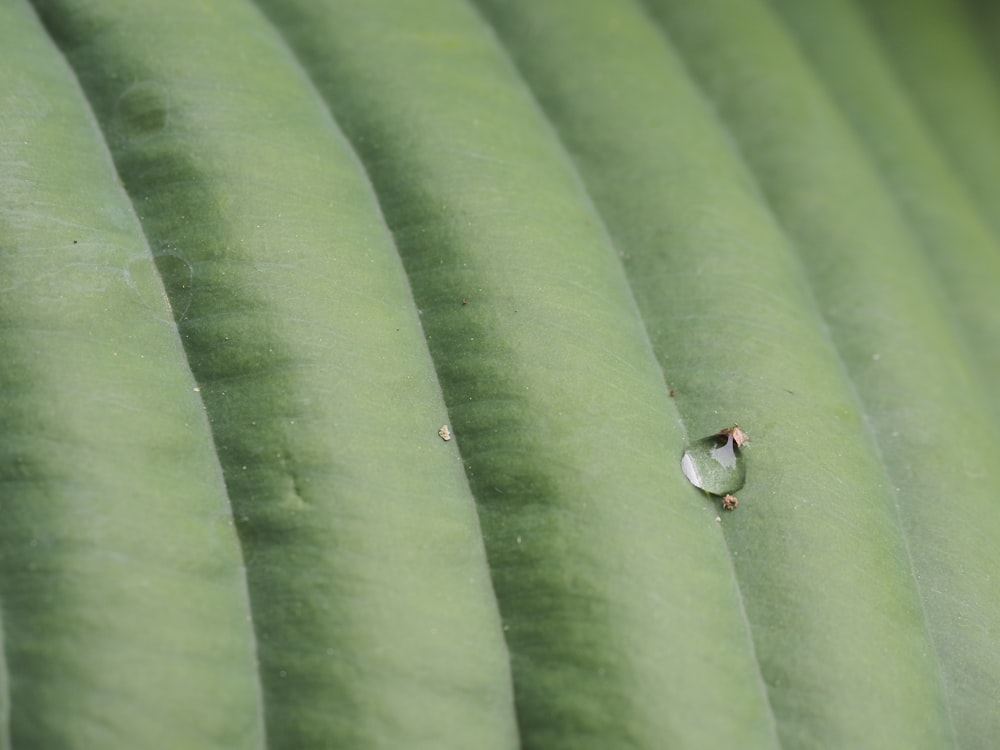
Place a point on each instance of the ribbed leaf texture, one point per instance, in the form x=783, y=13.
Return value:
x=349, y=348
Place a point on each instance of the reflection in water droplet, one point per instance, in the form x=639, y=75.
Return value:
x=725, y=454
x=715, y=464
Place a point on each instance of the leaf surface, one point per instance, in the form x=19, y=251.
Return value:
x=348, y=352
x=370, y=597
x=117, y=524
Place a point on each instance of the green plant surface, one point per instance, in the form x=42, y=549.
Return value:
x=255, y=258
x=933, y=49
x=942, y=213
x=748, y=285
x=564, y=420
x=889, y=328
x=984, y=17
x=125, y=611
x=359, y=535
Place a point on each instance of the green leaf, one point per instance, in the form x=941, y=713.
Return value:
x=895, y=335
x=349, y=350
x=932, y=47
x=368, y=588
x=125, y=613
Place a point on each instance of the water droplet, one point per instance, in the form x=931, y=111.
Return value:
x=715, y=464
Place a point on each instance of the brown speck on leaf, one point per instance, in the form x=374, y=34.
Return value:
x=671, y=394
x=465, y=301
x=445, y=433
x=729, y=502
x=739, y=437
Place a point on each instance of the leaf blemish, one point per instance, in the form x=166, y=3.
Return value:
x=715, y=464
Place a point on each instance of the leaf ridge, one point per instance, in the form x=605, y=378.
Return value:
x=848, y=376
x=363, y=169
x=617, y=252
x=261, y=729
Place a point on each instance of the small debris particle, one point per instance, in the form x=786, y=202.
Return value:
x=671, y=394
x=197, y=389
x=739, y=437
x=445, y=433
x=718, y=519
x=465, y=301
x=729, y=502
